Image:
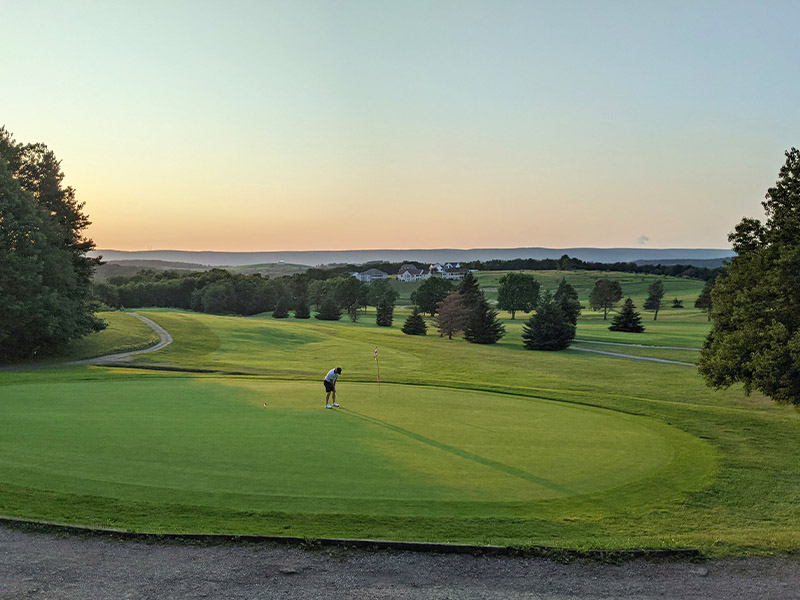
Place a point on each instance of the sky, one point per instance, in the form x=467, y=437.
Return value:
x=300, y=125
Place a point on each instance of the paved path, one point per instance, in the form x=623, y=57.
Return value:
x=635, y=345
x=631, y=356
x=166, y=340
x=39, y=565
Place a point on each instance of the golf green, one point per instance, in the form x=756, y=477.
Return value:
x=401, y=450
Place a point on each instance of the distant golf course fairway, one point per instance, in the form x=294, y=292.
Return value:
x=461, y=443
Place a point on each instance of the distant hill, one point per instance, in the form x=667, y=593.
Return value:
x=131, y=267
x=126, y=268
x=326, y=257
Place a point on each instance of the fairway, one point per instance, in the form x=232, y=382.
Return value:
x=460, y=443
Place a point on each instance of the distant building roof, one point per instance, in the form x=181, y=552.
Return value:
x=375, y=273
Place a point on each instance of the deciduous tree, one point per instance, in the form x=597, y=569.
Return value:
x=605, y=295
x=655, y=293
x=430, y=292
x=517, y=292
x=755, y=304
x=703, y=301
x=41, y=232
x=452, y=315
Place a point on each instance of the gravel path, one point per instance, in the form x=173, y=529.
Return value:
x=39, y=565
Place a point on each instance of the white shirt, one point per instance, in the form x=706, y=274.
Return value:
x=331, y=376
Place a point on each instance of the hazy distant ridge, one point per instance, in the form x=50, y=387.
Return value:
x=323, y=257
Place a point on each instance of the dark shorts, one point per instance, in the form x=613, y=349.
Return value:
x=329, y=387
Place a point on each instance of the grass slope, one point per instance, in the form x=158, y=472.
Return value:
x=466, y=443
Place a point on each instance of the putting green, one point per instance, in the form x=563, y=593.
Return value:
x=410, y=451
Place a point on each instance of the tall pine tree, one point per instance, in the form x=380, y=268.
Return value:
x=628, y=319
x=482, y=324
x=549, y=328
x=567, y=298
x=415, y=324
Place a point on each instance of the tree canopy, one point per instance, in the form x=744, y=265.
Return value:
x=430, y=292
x=755, y=304
x=452, y=315
x=549, y=328
x=517, y=292
x=703, y=301
x=655, y=294
x=605, y=295
x=45, y=275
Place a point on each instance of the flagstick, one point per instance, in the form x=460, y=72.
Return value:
x=378, y=364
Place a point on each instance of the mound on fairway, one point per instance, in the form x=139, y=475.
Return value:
x=181, y=453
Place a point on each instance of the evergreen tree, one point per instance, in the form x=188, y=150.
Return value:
x=482, y=325
x=385, y=314
x=517, y=292
x=281, y=308
x=655, y=293
x=628, y=319
x=471, y=294
x=755, y=304
x=302, y=310
x=549, y=328
x=328, y=310
x=567, y=299
x=415, y=324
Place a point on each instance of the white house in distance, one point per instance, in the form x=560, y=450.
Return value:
x=370, y=275
x=448, y=270
x=411, y=273
x=453, y=272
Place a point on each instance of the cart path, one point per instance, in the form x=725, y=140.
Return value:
x=636, y=345
x=43, y=565
x=163, y=334
x=632, y=357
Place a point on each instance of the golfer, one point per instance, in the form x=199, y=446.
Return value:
x=330, y=386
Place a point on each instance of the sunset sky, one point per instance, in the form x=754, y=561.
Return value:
x=298, y=125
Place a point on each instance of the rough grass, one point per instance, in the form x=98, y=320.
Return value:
x=123, y=333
